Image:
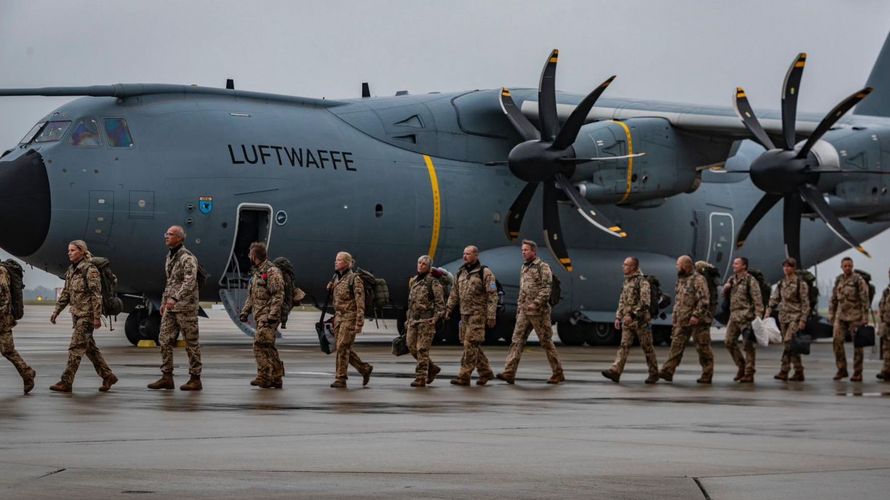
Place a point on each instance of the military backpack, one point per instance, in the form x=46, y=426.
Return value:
x=765, y=289
x=657, y=300
x=16, y=288
x=287, y=275
x=555, y=291
x=871, y=286
x=111, y=303
x=445, y=278
x=712, y=278
x=376, y=291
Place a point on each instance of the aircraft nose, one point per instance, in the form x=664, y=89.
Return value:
x=24, y=204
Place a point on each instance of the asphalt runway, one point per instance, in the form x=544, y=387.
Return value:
x=587, y=438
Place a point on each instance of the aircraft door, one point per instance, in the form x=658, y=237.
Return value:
x=715, y=235
x=254, y=223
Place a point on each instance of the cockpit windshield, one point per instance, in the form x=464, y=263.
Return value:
x=86, y=133
x=46, y=132
x=31, y=133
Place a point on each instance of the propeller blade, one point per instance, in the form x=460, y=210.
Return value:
x=519, y=121
x=831, y=118
x=789, y=99
x=791, y=224
x=763, y=206
x=513, y=221
x=814, y=197
x=587, y=210
x=547, y=99
x=743, y=109
x=600, y=158
x=569, y=131
x=552, y=230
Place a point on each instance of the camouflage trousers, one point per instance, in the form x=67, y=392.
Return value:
x=7, y=348
x=268, y=364
x=628, y=334
x=749, y=359
x=789, y=359
x=472, y=334
x=841, y=328
x=701, y=335
x=82, y=344
x=345, y=333
x=420, y=337
x=544, y=330
x=172, y=324
x=885, y=347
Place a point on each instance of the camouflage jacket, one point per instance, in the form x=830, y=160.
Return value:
x=182, y=281
x=84, y=296
x=693, y=299
x=426, y=298
x=849, y=298
x=475, y=291
x=535, y=281
x=884, y=307
x=634, y=300
x=265, y=295
x=792, y=295
x=349, y=295
x=745, y=299
x=6, y=318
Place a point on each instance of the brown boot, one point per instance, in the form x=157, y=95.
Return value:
x=747, y=379
x=194, y=384
x=483, y=379
x=609, y=374
x=60, y=386
x=841, y=374
x=366, y=375
x=257, y=381
x=739, y=374
x=419, y=382
x=339, y=384
x=460, y=381
x=883, y=376
x=783, y=376
x=652, y=379
x=107, y=382
x=666, y=376
x=510, y=379
x=165, y=382
x=276, y=383
x=431, y=375
x=703, y=380
x=556, y=378
x=797, y=377
x=857, y=377
x=28, y=379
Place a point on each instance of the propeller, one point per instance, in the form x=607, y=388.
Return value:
x=790, y=173
x=546, y=157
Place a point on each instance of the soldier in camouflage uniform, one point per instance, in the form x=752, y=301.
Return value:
x=179, y=312
x=7, y=345
x=349, y=319
x=83, y=291
x=476, y=294
x=426, y=306
x=745, y=303
x=632, y=318
x=692, y=317
x=848, y=311
x=264, y=299
x=792, y=296
x=533, y=311
x=884, y=311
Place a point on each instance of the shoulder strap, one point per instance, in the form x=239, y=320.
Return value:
x=327, y=299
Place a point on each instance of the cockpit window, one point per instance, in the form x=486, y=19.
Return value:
x=118, y=133
x=52, y=131
x=31, y=133
x=86, y=133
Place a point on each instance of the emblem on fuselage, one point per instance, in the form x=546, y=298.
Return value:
x=205, y=204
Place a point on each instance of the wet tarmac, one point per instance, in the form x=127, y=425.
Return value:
x=587, y=438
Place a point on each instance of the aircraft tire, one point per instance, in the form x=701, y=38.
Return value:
x=569, y=334
x=150, y=327
x=131, y=326
x=602, y=334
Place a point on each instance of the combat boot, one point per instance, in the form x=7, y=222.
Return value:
x=783, y=376
x=841, y=374
x=60, y=386
x=703, y=380
x=883, y=376
x=419, y=382
x=431, y=375
x=339, y=384
x=165, y=382
x=652, y=379
x=797, y=377
x=510, y=379
x=28, y=379
x=460, y=381
x=609, y=374
x=276, y=384
x=739, y=374
x=857, y=377
x=556, y=378
x=747, y=379
x=366, y=375
x=666, y=376
x=194, y=384
x=483, y=379
x=256, y=381
x=107, y=382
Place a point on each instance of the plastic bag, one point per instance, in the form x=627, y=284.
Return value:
x=762, y=331
x=775, y=334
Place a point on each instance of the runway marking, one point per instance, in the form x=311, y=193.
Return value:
x=437, y=206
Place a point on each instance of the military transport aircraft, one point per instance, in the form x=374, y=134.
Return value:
x=391, y=178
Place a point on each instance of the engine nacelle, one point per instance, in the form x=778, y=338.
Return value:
x=666, y=169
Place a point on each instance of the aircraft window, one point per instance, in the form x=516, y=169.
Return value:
x=118, y=133
x=86, y=133
x=31, y=133
x=53, y=131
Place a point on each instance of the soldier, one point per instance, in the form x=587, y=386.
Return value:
x=533, y=311
x=692, y=317
x=632, y=318
x=7, y=345
x=349, y=318
x=426, y=306
x=792, y=296
x=476, y=292
x=179, y=312
x=83, y=291
x=847, y=312
x=264, y=299
x=884, y=310
x=745, y=303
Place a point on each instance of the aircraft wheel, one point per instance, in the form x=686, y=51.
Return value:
x=570, y=334
x=150, y=327
x=603, y=334
x=131, y=326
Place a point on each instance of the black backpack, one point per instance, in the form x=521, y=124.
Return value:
x=712, y=278
x=111, y=303
x=765, y=289
x=657, y=300
x=287, y=274
x=16, y=287
x=555, y=291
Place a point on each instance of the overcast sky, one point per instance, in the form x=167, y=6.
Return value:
x=685, y=51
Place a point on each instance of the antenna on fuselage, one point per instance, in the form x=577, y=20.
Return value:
x=366, y=90
x=230, y=84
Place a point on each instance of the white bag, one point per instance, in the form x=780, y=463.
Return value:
x=766, y=331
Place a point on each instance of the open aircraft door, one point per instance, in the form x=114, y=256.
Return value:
x=253, y=223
